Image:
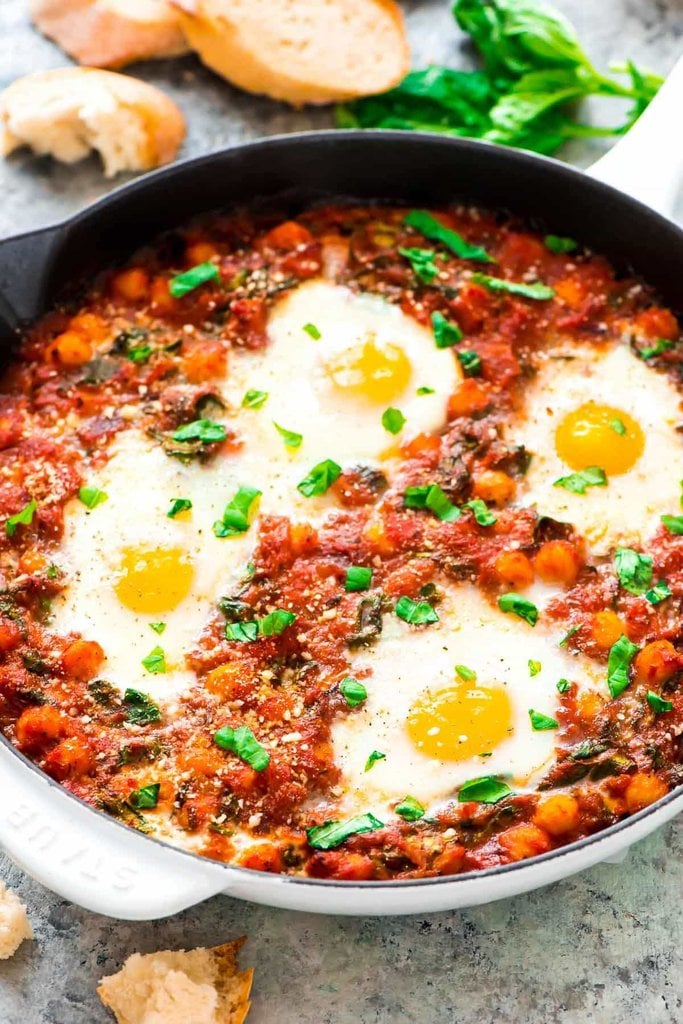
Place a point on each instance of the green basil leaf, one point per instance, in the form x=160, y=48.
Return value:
x=139, y=353
x=577, y=483
x=239, y=513
x=534, y=667
x=674, y=524
x=241, y=741
x=558, y=244
x=481, y=513
x=254, y=399
x=535, y=290
x=435, y=231
x=206, y=431
x=469, y=361
x=660, y=346
x=276, y=622
x=146, y=798
x=562, y=685
x=633, y=569
x=568, y=635
x=141, y=708
x=290, y=437
x=618, y=663
x=242, y=632
x=312, y=331
x=465, y=673
x=659, y=704
x=417, y=613
x=541, y=722
x=158, y=627
x=358, y=577
x=179, y=505
x=410, y=809
x=424, y=390
x=92, y=496
x=487, y=789
x=22, y=518
x=422, y=263
x=393, y=420
x=334, y=833
x=433, y=498
x=353, y=691
x=181, y=284
x=155, y=661
x=446, y=333
x=520, y=606
x=658, y=593
x=375, y=756
x=320, y=479
x=618, y=426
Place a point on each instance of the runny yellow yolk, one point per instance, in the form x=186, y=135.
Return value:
x=460, y=722
x=599, y=435
x=154, y=579
x=378, y=371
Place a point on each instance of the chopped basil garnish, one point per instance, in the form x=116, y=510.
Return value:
x=206, y=431
x=353, y=691
x=481, y=512
x=469, y=361
x=254, y=399
x=393, y=420
x=92, y=496
x=158, y=627
x=618, y=663
x=633, y=569
x=577, y=483
x=320, y=479
x=376, y=755
x=334, y=833
x=520, y=606
x=410, y=809
x=312, y=331
x=276, y=622
x=674, y=524
x=417, y=613
x=139, y=353
x=536, y=290
x=465, y=673
x=540, y=722
x=358, y=577
x=181, y=284
x=658, y=593
x=22, y=518
x=238, y=513
x=568, y=635
x=422, y=263
x=562, y=685
x=431, y=497
x=179, y=505
x=435, y=231
x=155, y=661
x=145, y=799
x=661, y=345
x=446, y=333
x=243, y=632
x=424, y=390
x=558, y=244
x=658, y=704
x=487, y=789
x=141, y=708
x=290, y=437
x=534, y=667
x=618, y=426
x=241, y=741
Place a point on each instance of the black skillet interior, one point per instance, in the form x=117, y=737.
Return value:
x=291, y=172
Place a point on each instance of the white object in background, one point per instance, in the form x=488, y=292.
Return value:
x=647, y=163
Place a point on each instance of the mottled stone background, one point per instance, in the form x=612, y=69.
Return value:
x=604, y=947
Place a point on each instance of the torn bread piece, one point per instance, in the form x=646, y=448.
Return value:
x=68, y=112
x=201, y=986
x=14, y=926
x=300, y=51
x=110, y=33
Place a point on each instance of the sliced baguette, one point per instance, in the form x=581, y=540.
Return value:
x=110, y=33
x=68, y=112
x=14, y=926
x=201, y=986
x=300, y=51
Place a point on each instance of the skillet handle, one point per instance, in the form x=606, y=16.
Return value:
x=91, y=860
x=647, y=163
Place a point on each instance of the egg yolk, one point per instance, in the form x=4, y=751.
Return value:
x=459, y=723
x=599, y=435
x=154, y=579
x=374, y=370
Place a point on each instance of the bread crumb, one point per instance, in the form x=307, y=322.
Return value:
x=14, y=926
x=198, y=986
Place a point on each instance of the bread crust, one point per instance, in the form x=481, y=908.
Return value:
x=110, y=33
x=14, y=925
x=332, y=60
x=66, y=112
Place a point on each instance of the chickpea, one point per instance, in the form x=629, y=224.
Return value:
x=606, y=628
x=199, y=252
x=657, y=662
x=70, y=759
x=522, y=841
x=130, y=285
x=471, y=397
x=514, y=569
x=644, y=789
x=162, y=300
x=558, y=561
x=70, y=349
x=82, y=659
x=495, y=487
x=557, y=814
x=589, y=705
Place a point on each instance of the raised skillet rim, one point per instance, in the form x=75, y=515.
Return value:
x=561, y=171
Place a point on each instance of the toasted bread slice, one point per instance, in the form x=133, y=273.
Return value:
x=202, y=986
x=69, y=111
x=300, y=51
x=110, y=33
x=14, y=926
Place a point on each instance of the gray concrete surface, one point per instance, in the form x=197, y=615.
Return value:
x=603, y=947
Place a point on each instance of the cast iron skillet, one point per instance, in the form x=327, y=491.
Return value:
x=288, y=174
